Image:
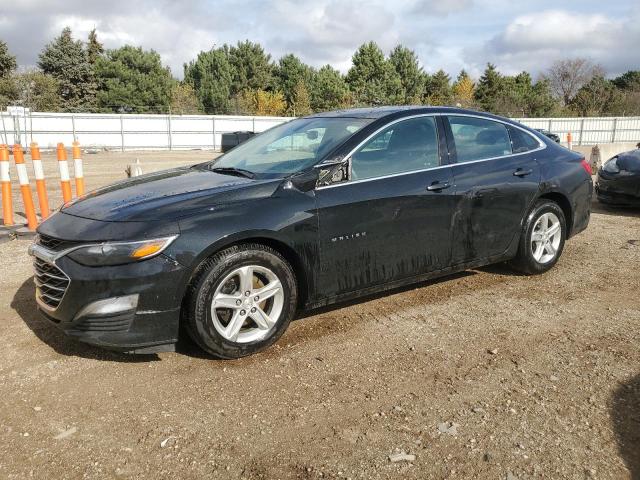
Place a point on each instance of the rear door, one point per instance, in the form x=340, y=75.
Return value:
x=496, y=178
x=391, y=219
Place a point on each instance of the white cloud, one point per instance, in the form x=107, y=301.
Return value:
x=441, y=8
x=533, y=41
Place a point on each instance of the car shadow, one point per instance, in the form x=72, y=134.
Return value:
x=24, y=305
x=624, y=409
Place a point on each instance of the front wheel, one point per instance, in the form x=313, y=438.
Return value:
x=542, y=239
x=241, y=301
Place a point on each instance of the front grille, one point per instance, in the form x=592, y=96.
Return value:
x=54, y=244
x=51, y=283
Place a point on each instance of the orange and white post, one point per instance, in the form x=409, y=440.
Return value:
x=65, y=183
x=41, y=187
x=5, y=180
x=25, y=187
x=77, y=169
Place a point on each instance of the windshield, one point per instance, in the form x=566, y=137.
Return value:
x=290, y=147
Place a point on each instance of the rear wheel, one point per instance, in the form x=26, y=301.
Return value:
x=542, y=240
x=241, y=301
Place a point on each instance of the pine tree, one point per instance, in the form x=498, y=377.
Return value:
x=94, y=47
x=211, y=76
x=405, y=63
x=489, y=88
x=372, y=79
x=329, y=91
x=7, y=61
x=438, y=89
x=292, y=74
x=133, y=80
x=66, y=60
x=251, y=66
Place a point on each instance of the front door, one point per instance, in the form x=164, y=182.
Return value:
x=392, y=218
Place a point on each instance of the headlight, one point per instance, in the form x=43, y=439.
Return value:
x=611, y=166
x=119, y=253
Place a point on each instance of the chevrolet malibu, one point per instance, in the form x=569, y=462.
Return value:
x=312, y=212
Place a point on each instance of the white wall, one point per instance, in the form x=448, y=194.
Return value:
x=128, y=131
x=589, y=130
x=160, y=132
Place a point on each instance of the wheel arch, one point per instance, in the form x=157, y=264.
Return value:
x=284, y=249
x=563, y=202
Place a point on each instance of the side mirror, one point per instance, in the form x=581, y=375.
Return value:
x=305, y=181
x=332, y=171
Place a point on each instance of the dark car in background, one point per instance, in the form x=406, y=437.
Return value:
x=230, y=140
x=618, y=180
x=547, y=133
x=319, y=210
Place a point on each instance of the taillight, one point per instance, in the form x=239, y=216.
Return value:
x=586, y=166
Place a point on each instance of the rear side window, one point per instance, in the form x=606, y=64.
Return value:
x=521, y=141
x=477, y=138
x=405, y=146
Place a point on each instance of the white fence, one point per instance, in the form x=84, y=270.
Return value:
x=128, y=131
x=589, y=130
x=162, y=132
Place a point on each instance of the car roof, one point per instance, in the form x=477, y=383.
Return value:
x=381, y=112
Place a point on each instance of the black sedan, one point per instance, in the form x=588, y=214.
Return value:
x=618, y=180
x=312, y=212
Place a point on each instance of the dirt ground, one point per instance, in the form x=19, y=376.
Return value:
x=486, y=374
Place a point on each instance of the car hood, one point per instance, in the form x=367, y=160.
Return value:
x=167, y=195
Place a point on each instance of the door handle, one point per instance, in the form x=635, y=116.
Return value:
x=522, y=173
x=438, y=186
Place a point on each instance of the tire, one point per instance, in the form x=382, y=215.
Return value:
x=527, y=260
x=236, y=331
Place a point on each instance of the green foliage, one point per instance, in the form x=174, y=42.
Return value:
x=405, y=63
x=598, y=97
x=133, y=80
x=292, y=75
x=94, y=47
x=184, y=100
x=489, y=88
x=329, y=91
x=211, y=76
x=628, y=81
x=372, y=79
x=37, y=91
x=300, y=104
x=66, y=60
x=251, y=66
x=7, y=61
x=438, y=89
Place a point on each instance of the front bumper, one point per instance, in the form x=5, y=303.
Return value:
x=127, y=307
x=618, y=191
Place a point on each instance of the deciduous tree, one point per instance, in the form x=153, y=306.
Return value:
x=568, y=75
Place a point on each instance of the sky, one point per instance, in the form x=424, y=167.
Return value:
x=447, y=34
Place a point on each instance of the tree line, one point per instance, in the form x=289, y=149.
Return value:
x=77, y=76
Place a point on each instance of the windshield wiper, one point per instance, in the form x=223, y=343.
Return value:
x=239, y=172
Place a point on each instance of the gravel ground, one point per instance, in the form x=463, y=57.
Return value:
x=486, y=374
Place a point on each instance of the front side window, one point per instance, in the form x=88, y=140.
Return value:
x=477, y=138
x=405, y=146
x=290, y=147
